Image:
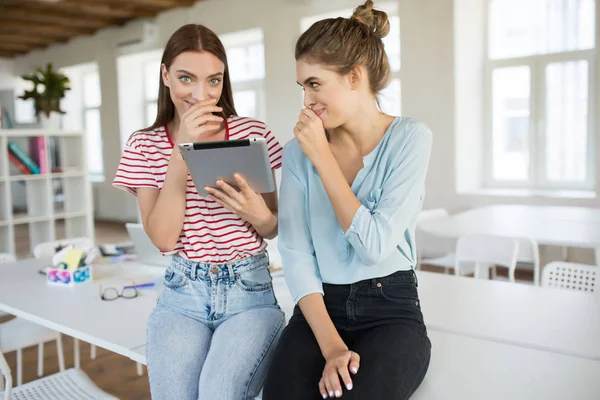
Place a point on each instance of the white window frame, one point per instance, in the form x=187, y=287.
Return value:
x=95, y=176
x=245, y=38
x=148, y=101
x=537, y=155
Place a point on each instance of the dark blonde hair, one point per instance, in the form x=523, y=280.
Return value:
x=198, y=38
x=344, y=43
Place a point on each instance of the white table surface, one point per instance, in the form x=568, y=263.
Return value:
x=464, y=368
x=549, y=225
x=118, y=325
x=555, y=320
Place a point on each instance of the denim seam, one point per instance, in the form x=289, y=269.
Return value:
x=264, y=353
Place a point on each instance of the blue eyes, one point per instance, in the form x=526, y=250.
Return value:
x=187, y=79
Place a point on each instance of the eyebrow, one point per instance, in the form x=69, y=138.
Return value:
x=310, y=78
x=194, y=76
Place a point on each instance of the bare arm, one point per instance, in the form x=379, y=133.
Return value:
x=163, y=210
x=328, y=338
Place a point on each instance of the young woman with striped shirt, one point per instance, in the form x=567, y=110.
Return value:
x=211, y=333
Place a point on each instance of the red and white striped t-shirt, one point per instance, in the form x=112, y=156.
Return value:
x=211, y=233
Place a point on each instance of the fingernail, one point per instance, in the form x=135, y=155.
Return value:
x=324, y=395
x=354, y=369
x=349, y=386
x=337, y=393
x=331, y=393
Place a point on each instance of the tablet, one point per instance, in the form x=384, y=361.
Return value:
x=209, y=161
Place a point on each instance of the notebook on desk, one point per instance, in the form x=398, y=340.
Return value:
x=147, y=253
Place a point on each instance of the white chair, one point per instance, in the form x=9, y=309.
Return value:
x=572, y=276
x=527, y=258
x=46, y=250
x=70, y=384
x=430, y=246
x=17, y=334
x=487, y=250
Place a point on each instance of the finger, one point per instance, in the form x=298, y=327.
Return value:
x=354, y=362
x=322, y=389
x=226, y=187
x=224, y=198
x=199, y=112
x=334, y=380
x=198, y=105
x=296, y=131
x=343, y=371
x=309, y=113
x=328, y=386
x=243, y=185
x=304, y=118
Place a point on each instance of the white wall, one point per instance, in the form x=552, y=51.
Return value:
x=441, y=79
x=7, y=74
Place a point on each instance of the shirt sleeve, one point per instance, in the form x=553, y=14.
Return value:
x=134, y=169
x=376, y=230
x=274, y=148
x=295, y=242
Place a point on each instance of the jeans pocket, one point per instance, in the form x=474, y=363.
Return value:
x=405, y=293
x=174, y=279
x=255, y=280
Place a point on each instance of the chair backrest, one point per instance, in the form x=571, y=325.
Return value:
x=486, y=249
x=47, y=249
x=572, y=276
x=5, y=371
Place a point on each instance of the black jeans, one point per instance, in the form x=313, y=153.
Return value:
x=381, y=320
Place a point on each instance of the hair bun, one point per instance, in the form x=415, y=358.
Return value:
x=376, y=20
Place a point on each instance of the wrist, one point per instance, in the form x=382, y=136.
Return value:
x=267, y=223
x=323, y=161
x=334, y=346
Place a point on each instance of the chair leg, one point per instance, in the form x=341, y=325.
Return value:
x=60, y=354
x=93, y=351
x=140, y=369
x=41, y=359
x=19, y=367
x=77, y=361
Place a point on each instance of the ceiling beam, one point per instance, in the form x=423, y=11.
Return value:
x=55, y=18
x=17, y=46
x=103, y=10
x=24, y=38
x=44, y=29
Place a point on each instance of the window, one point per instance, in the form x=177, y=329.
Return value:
x=539, y=93
x=82, y=105
x=246, y=60
x=151, y=84
x=390, y=99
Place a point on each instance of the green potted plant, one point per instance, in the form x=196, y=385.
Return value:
x=49, y=88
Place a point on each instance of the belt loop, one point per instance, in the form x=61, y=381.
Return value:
x=230, y=270
x=193, y=267
x=416, y=279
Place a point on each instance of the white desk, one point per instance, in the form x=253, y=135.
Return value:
x=555, y=320
x=549, y=225
x=118, y=325
x=472, y=369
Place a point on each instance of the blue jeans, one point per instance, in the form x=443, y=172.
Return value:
x=213, y=330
